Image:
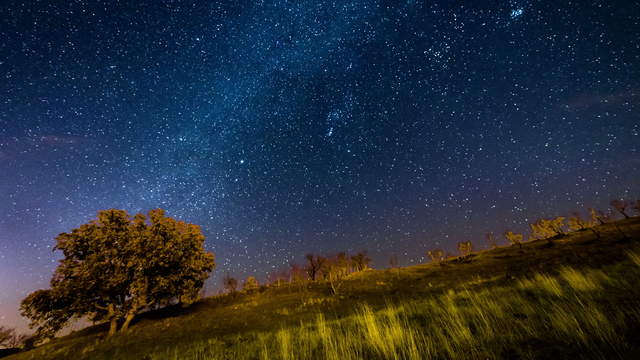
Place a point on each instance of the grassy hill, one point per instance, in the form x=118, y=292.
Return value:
x=575, y=296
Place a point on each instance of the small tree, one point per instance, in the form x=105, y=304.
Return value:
x=598, y=217
x=576, y=223
x=514, y=238
x=547, y=229
x=336, y=270
x=230, y=284
x=9, y=338
x=250, y=285
x=360, y=261
x=315, y=265
x=465, y=248
x=620, y=206
x=436, y=255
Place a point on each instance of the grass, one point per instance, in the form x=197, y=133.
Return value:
x=576, y=299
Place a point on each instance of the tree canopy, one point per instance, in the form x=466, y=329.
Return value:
x=116, y=266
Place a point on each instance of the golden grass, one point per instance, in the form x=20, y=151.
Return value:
x=530, y=320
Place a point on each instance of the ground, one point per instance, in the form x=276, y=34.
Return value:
x=572, y=296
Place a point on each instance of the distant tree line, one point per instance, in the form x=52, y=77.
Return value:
x=552, y=229
x=330, y=269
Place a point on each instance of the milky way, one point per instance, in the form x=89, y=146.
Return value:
x=310, y=126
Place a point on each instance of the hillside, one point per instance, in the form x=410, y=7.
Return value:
x=575, y=296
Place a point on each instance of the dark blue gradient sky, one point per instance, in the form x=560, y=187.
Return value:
x=283, y=127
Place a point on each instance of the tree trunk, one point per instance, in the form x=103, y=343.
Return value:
x=113, y=320
x=113, y=326
x=127, y=321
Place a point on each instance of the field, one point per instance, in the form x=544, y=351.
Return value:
x=572, y=297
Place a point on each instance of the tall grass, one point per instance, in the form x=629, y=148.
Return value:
x=575, y=313
x=536, y=318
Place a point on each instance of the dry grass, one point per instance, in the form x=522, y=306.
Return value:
x=576, y=299
x=568, y=312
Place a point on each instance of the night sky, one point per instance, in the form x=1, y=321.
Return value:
x=287, y=127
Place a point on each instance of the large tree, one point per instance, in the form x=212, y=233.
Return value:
x=118, y=265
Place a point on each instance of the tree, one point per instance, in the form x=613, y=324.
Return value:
x=315, y=265
x=436, y=255
x=9, y=338
x=465, y=248
x=360, y=261
x=620, y=206
x=250, y=285
x=576, y=223
x=229, y=283
x=116, y=266
x=598, y=217
x=547, y=229
x=337, y=268
x=514, y=238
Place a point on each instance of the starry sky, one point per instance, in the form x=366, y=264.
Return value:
x=287, y=127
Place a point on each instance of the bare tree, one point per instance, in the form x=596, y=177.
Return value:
x=620, y=206
x=315, y=265
x=599, y=217
x=491, y=240
x=360, y=261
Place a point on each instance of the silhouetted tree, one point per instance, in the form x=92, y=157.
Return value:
x=229, y=283
x=250, y=284
x=514, y=238
x=599, y=217
x=620, y=206
x=436, y=255
x=360, y=261
x=315, y=265
x=115, y=266
x=465, y=248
